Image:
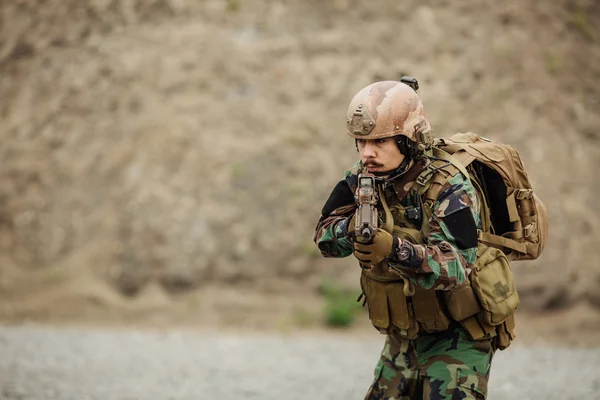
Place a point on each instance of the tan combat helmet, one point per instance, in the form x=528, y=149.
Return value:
x=389, y=108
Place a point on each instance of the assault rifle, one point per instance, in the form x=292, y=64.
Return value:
x=365, y=220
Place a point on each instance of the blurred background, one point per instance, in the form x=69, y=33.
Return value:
x=164, y=162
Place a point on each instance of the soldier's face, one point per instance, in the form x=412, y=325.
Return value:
x=380, y=155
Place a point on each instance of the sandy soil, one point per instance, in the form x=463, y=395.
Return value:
x=165, y=161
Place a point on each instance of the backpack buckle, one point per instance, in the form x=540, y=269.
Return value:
x=423, y=179
x=529, y=229
x=522, y=194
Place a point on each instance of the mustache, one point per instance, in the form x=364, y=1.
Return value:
x=372, y=163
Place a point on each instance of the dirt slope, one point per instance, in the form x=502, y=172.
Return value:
x=154, y=146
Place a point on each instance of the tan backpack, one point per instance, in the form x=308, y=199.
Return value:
x=514, y=227
x=514, y=218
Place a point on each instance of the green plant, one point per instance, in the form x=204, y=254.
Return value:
x=238, y=170
x=341, y=306
x=328, y=288
x=56, y=275
x=553, y=62
x=233, y=5
x=341, y=312
x=193, y=302
x=284, y=326
x=304, y=318
x=580, y=19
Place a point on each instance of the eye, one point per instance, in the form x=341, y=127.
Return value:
x=361, y=141
x=380, y=141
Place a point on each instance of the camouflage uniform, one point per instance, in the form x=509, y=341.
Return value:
x=440, y=365
x=446, y=365
x=447, y=263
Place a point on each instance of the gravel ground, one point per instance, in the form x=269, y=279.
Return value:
x=43, y=363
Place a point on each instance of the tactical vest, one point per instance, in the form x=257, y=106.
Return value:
x=396, y=305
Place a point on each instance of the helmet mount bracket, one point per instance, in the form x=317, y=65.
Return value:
x=424, y=136
x=361, y=122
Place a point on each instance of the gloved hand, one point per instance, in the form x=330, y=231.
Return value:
x=378, y=250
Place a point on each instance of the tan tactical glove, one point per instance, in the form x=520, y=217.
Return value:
x=376, y=251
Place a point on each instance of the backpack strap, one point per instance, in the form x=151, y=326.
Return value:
x=430, y=193
x=430, y=184
x=501, y=241
x=388, y=224
x=511, y=202
x=441, y=154
x=464, y=158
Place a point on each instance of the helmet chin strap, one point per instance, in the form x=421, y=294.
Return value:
x=389, y=176
x=408, y=149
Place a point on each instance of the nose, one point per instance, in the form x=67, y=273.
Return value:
x=369, y=149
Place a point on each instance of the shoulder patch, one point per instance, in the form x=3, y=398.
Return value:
x=461, y=225
x=455, y=201
x=339, y=197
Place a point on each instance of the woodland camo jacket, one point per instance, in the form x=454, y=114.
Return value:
x=444, y=258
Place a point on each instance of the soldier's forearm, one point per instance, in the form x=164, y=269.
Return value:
x=439, y=266
x=332, y=238
x=406, y=255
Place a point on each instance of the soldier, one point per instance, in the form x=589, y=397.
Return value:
x=422, y=252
